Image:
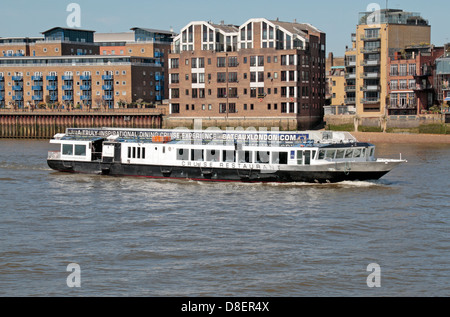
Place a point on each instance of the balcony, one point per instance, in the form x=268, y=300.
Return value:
x=17, y=98
x=410, y=105
x=85, y=87
x=158, y=98
x=52, y=87
x=370, y=75
x=368, y=101
x=37, y=98
x=420, y=87
x=53, y=97
x=370, y=38
x=85, y=97
x=350, y=76
x=370, y=50
x=85, y=77
x=159, y=54
x=2, y=87
x=350, y=101
x=371, y=88
x=2, y=78
x=67, y=87
x=350, y=88
x=108, y=97
x=37, y=87
x=36, y=78
x=67, y=97
x=17, y=78
x=158, y=88
x=67, y=77
x=52, y=78
x=107, y=87
x=370, y=62
x=17, y=87
x=107, y=77
x=159, y=77
x=2, y=98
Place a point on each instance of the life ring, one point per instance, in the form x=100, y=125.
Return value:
x=292, y=99
x=260, y=100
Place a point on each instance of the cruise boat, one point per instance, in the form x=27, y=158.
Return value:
x=235, y=156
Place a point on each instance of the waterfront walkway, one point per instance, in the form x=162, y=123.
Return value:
x=401, y=138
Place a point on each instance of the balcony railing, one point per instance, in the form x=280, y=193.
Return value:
x=107, y=87
x=17, y=78
x=370, y=100
x=420, y=87
x=370, y=38
x=85, y=77
x=350, y=76
x=108, y=97
x=17, y=98
x=37, y=87
x=36, y=78
x=52, y=77
x=370, y=62
x=350, y=101
x=370, y=50
x=17, y=87
x=350, y=88
x=107, y=77
x=411, y=105
x=85, y=97
x=67, y=87
x=371, y=88
x=370, y=75
x=37, y=98
x=67, y=97
x=67, y=77
x=85, y=87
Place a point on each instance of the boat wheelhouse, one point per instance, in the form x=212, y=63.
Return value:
x=310, y=156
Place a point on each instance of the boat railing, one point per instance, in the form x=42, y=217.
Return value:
x=54, y=155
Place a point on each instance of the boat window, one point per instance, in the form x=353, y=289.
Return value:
x=340, y=154
x=262, y=157
x=67, y=149
x=229, y=156
x=197, y=155
x=138, y=152
x=143, y=153
x=331, y=154
x=129, y=152
x=322, y=154
x=80, y=150
x=313, y=155
x=349, y=153
x=372, y=151
x=213, y=155
x=280, y=158
x=183, y=155
x=245, y=157
x=134, y=152
x=357, y=153
x=363, y=152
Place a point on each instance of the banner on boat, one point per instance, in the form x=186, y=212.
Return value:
x=192, y=135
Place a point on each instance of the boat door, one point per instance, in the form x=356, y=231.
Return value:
x=304, y=157
x=117, y=153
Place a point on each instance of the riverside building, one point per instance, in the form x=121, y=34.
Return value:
x=261, y=73
x=379, y=36
x=65, y=68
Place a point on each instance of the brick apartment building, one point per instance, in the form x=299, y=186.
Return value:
x=259, y=71
x=411, y=80
x=65, y=67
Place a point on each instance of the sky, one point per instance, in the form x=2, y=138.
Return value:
x=337, y=19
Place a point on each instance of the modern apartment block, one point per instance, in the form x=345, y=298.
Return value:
x=260, y=70
x=379, y=35
x=411, y=88
x=141, y=42
x=65, y=68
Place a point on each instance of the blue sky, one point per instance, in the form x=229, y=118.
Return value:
x=337, y=18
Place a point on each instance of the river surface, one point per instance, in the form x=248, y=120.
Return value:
x=152, y=238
